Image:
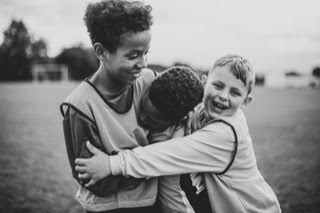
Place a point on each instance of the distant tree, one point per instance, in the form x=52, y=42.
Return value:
x=81, y=62
x=39, y=51
x=259, y=79
x=15, y=61
x=292, y=74
x=316, y=72
x=157, y=67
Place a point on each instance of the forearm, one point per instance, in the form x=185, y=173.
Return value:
x=194, y=153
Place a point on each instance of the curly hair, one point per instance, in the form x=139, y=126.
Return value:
x=108, y=20
x=239, y=67
x=176, y=91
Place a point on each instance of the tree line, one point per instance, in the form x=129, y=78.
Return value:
x=20, y=50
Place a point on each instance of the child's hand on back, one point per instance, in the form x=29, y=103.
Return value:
x=180, y=131
x=94, y=168
x=193, y=122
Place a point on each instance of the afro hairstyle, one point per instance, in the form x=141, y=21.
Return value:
x=108, y=20
x=175, y=92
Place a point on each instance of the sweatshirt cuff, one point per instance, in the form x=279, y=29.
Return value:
x=115, y=164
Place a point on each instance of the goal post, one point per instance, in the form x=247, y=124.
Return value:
x=50, y=72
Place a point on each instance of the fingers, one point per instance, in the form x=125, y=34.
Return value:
x=81, y=161
x=93, y=149
x=83, y=176
x=189, y=122
x=90, y=183
x=81, y=169
x=195, y=124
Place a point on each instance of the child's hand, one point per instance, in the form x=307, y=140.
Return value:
x=180, y=131
x=193, y=122
x=94, y=168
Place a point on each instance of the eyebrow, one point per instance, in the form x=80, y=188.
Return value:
x=133, y=52
x=236, y=90
x=217, y=81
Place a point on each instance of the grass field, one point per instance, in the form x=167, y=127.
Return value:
x=35, y=174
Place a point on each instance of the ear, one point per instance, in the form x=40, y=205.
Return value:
x=100, y=52
x=247, y=100
x=204, y=79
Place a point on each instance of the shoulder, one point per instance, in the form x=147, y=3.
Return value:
x=239, y=122
x=222, y=129
x=148, y=75
x=79, y=99
x=82, y=91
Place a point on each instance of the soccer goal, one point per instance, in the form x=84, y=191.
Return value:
x=50, y=72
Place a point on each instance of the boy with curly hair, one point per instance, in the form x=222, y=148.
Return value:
x=104, y=107
x=166, y=103
x=169, y=98
x=222, y=151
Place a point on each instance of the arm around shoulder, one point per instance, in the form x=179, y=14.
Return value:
x=209, y=149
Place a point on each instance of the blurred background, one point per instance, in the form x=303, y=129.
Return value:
x=45, y=51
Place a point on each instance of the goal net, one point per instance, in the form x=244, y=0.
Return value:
x=50, y=72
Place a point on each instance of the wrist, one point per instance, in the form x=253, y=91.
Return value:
x=108, y=166
x=115, y=164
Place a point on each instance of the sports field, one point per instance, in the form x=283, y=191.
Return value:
x=35, y=174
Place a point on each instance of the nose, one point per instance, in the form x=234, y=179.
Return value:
x=224, y=94
x=143, y=62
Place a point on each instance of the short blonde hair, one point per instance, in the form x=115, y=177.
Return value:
x=239, y=67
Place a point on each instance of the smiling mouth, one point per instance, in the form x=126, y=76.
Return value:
x=135, y=74
x=219, y=106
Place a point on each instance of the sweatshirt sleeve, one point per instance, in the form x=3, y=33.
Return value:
x=206, y=150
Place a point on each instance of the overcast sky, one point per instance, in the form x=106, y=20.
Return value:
x=275, y=35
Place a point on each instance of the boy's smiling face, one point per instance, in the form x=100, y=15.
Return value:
x=224, y=93
x=126, y=63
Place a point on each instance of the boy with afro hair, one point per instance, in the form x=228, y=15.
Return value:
x=173, y=93
x=165, y=104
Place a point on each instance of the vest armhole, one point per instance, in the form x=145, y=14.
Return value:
x=234, y=152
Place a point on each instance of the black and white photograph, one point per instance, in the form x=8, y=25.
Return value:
x=171, y=106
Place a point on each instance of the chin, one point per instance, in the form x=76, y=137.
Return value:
x=131, y=81
x=214, y=114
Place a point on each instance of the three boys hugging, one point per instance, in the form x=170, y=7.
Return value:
x=217, y=160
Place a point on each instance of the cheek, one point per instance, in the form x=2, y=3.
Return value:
x=206, y=102
x=236, y=102
x=125, y=65
x=209, y=93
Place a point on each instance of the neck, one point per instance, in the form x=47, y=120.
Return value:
x=106, y=83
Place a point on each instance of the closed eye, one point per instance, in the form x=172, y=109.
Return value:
x=133, y=56
x=235, y=93
x=217, y=85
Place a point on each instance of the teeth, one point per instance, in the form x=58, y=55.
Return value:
x=220, y=105
x=136, y=75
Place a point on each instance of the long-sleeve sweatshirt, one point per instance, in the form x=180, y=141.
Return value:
x=93, y=118
x=211, y=150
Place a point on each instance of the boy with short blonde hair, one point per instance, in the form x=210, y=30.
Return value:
x=222, y=151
